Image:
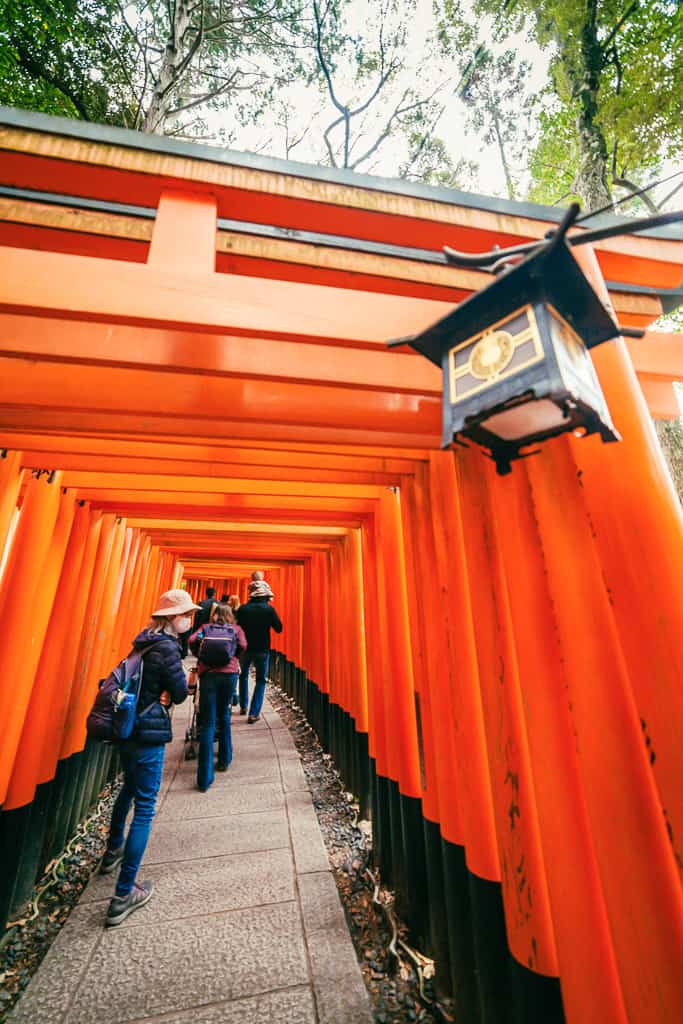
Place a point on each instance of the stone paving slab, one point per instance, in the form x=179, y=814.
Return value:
x=151, y=969
x=283, y=741
x=293, y=778
x=293, y=1007
x=245, y=924
x=217, y=883
x=339, y=988
x=215, y=836
x=273, y=720
x=263, y=768
x=309, y=849
x=221, y=800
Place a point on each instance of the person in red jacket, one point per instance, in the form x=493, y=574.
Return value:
x=217, y=683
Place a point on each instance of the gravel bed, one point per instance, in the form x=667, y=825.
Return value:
x=393, y=985
x=23, y=947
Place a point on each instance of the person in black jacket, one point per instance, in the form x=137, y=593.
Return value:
x=204, y=609
x=142, y=756
x=257, y=617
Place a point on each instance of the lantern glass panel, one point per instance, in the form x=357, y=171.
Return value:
x=526, y=420
x=575, y=363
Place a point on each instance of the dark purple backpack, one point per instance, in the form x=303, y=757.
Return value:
x=218, y=645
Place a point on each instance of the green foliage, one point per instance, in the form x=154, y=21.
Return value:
x=499, y=109
x=430, y=162
x=146, y=63
x=672, y=321
x=554, y=161
x=66, y=57
x=617, y=79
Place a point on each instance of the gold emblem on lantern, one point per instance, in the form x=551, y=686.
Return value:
x=502, y=350
x=491, y=355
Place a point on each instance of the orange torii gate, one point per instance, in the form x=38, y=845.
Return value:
x=192, y=348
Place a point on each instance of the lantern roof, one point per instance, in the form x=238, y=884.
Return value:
x=549, y=275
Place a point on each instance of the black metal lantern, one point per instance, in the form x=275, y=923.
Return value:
x=515, y=360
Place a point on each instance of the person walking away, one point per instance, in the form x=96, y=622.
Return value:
x=142, y=756
x=220, y=643
x=234, y=602
x=257, y=617
x=204, y=609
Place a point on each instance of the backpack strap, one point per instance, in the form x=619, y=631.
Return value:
x=141, y=652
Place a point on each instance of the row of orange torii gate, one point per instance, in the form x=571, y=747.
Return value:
x=440, y=700
x=494, y=663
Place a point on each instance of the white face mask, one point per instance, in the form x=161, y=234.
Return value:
x=182, y=624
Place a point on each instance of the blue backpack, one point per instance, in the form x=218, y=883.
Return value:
x=112, y=716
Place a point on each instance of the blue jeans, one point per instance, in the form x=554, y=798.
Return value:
x=142, y=768
x=261, y=665
x=215, y=698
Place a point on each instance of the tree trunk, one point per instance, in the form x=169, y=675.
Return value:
x=503, y=158
x=170, y=70
x=591, y=182
x=670, y=434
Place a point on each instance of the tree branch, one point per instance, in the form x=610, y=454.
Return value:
x=131, y=30
x=625, y=183
x=181, y=68
x=398, y=110
x=323, y=62
x=605, y=45
x=204, y=98
x=122, y=64
x=326, y=139
x=613, y=53
x=429, y=133
x=565, y=196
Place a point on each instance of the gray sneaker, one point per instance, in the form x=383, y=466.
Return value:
x=121, y=906
x=111, y=860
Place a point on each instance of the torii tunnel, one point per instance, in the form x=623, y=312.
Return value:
x=194, y=382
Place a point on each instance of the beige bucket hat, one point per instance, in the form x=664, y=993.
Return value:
x=175, y=602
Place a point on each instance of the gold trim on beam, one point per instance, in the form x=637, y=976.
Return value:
x=56, y=147
x=331, y=258
x=69, y=218
x=114, y=225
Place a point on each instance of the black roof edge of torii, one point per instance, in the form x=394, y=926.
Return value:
x=69, y=127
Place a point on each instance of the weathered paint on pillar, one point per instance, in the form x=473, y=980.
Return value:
x=21, y=587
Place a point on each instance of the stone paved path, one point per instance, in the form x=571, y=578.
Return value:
x=245, y=924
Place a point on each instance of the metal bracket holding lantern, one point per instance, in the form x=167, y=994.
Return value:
x=514, y=356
